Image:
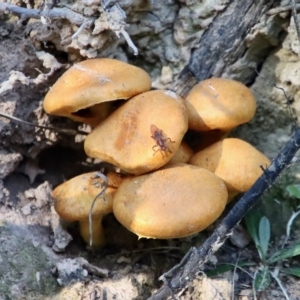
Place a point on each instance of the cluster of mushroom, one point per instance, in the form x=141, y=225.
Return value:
x=168, y=190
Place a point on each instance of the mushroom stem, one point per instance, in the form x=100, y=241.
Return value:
x=98, y=238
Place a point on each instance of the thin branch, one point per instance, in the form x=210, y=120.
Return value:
x=54, y=13
x=75, y=18
x=46, y=15
x=79, y=30
x=278, y=10
x=128, y=40
x=62, y=130
x=296, y=21
x=288, y=101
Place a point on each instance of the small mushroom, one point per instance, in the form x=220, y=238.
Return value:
x=175, y=201
x=142, y=135
x=235, y=161
x=183, y=154
x=85, y=92
x=219, y=103
x=73, y=200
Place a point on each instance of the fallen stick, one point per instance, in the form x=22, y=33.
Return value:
x=179, y=276
x=54, y=13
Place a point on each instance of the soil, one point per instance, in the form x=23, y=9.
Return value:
x=41, y=258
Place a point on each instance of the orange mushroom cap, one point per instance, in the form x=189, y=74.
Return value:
x=175, y=201
x=82, y=92
x=219, y=103
x=73, y=200
x=235, y=161
x=142, y=135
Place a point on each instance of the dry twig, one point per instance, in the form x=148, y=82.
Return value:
x=61, y=130
x=46, y=15
x=54, y=13
x=179, y=276
x=281, y=9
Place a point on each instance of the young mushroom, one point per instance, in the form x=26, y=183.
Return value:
x=219, y=103
x=175, y=201
x=235, y=161
x=142, y=135
x=183, y=154
x=85, y=92
x=73, y=200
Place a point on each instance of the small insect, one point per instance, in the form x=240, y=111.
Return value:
x=161, y=139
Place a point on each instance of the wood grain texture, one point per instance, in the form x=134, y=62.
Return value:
x=222, y=43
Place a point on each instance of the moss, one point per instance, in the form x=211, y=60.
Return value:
x=24, y=268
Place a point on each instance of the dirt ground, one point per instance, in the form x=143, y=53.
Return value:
x=39, y=258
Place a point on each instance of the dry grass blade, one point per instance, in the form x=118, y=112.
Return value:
x=62, y=130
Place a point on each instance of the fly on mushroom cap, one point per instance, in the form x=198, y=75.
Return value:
x=175, y=201
x=219, y=103
x=73, y=200
x=142, y=135
x=85, y=91
x=236, y=162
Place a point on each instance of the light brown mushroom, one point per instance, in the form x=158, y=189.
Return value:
x=183, y=154
x=73, y=200
x=219, y=103
x=235, y=161
x=142, y=135
x=175, y=201
x=85, y=92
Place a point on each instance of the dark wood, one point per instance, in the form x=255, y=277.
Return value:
x=223, y=42
x=181, y=274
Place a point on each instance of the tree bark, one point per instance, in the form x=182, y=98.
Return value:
x=223, y=42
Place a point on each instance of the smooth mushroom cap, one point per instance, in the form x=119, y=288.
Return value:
x=82, y=92
x=219, y=103
x=175, y=201
x=142, y=135
x=73, y=200
x=233, y=160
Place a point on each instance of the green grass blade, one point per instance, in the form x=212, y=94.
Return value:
x=262, y=280
x=285, y=253
x=291, y=271
x=220, y=269
x=252, y=221
x=264, y=233
x=275, y=274
x=294, y=190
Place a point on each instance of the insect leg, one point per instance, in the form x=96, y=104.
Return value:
x=155, y=147
x=168, y=139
